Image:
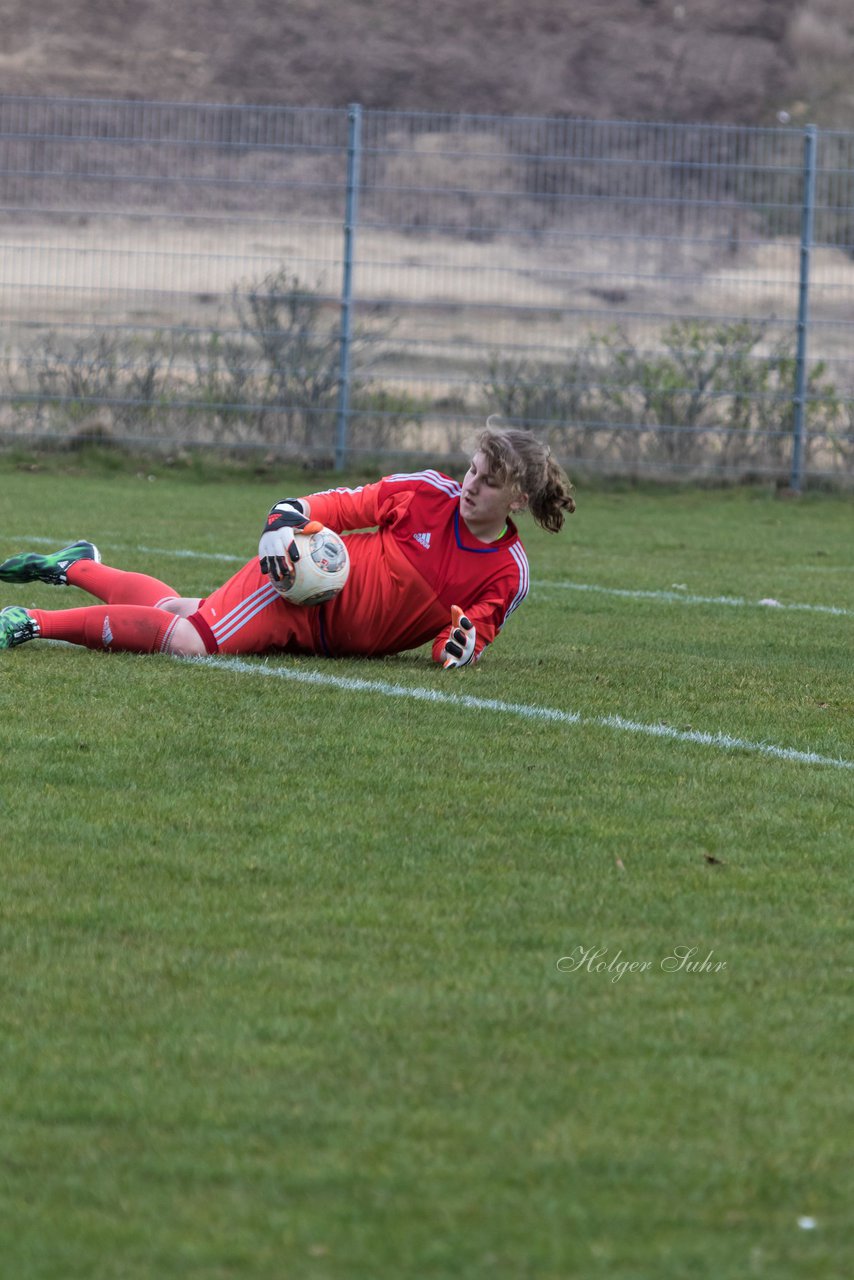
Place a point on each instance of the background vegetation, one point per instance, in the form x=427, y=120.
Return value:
x=714, y=398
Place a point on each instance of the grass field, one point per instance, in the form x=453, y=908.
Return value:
x=304, y=978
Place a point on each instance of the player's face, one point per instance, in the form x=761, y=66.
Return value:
x=485, y=503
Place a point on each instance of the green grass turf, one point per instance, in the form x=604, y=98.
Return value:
x=280, y=984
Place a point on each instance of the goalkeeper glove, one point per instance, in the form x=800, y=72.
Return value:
x=459, y=647
x=277, y=551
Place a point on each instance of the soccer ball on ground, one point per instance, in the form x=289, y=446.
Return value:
x=321, y=570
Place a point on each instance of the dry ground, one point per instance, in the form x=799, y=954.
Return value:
x=736, y=61
x=161, y=268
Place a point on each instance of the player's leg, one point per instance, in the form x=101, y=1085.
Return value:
x=183, y=606
x=248, y=615
x=79, y=565
x=120, y=586
x=184, y=641
x=128, y=628
x=29, y=566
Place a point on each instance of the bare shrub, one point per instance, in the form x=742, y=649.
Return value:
x=383, y=420
x=297, y=360
x=707, y=397
x=275, y=378
x=555, y=399
x=93, y=386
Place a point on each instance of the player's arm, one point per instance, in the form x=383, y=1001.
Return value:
x=338, y=509
x=467, y=634
x=277, y=550
x=458, y=649
x=486, y=616
x=346, y=509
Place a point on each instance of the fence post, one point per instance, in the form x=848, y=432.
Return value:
x=351, y=216
x=799, y=426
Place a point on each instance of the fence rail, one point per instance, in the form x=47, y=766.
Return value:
x=652, y=298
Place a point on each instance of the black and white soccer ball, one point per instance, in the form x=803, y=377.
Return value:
x=322, y=569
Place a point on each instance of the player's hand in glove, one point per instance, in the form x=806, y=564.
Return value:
x=277, y=551
x=459, y=647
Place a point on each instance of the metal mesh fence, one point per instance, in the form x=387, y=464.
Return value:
x=653, y=299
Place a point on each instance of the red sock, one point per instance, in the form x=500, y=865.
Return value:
x=116, y=586
x=130, y=628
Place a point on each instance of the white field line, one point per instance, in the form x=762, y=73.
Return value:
x=192, y=555
x=682, y=597
x=351, y=684
x=666, y=597
x=148, y=551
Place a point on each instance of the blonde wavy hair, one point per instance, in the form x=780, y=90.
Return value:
x=518, y=458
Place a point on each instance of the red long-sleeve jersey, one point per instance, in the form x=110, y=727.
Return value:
x=419, y=561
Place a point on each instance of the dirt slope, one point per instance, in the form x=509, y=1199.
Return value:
x=736, y=61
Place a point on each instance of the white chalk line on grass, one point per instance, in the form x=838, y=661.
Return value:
x=666, y=597
x=352, y=684
x=682, y=597
x=150, y=551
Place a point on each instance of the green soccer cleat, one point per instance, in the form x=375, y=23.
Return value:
x=29, y=567
x=16, y=627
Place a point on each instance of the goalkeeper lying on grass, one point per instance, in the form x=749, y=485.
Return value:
x=443, y=563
